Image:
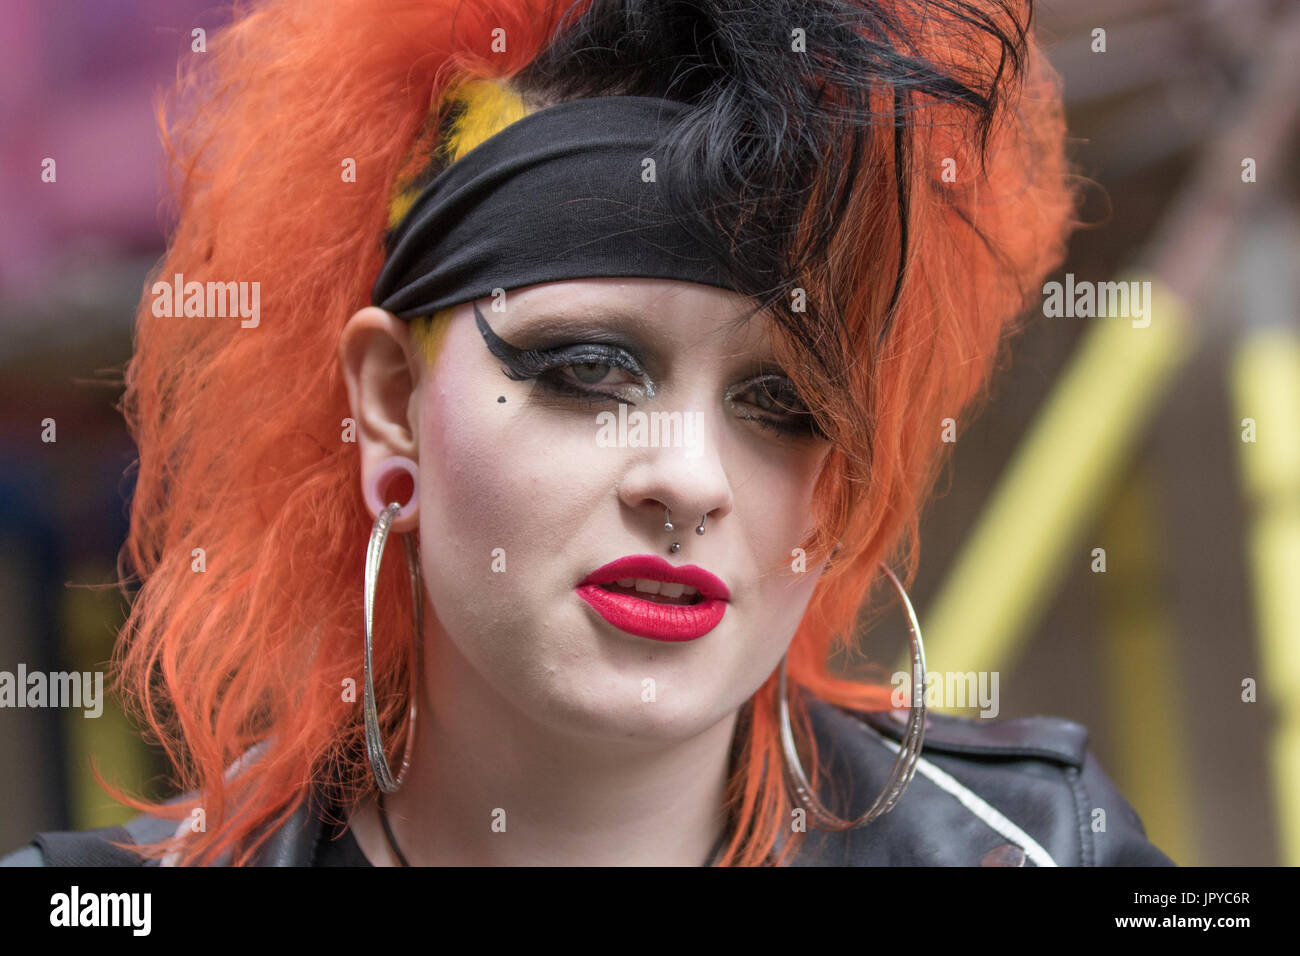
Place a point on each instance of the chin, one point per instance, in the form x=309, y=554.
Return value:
x=618, y=707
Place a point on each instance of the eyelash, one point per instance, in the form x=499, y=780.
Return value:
x=544, y=367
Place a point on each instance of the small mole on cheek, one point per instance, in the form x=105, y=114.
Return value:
x=501, y=399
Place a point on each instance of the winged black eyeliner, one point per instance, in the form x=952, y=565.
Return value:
x=519, y=360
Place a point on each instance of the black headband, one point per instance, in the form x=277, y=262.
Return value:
x=558, y=194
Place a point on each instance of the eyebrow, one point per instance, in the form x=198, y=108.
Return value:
x=606, y=327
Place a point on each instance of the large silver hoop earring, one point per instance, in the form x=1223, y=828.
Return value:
x=374, y=739
x=908, y=754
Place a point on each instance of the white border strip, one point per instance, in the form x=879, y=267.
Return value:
x=975, y=804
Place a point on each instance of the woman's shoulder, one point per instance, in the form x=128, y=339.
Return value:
x=292, y=843
x=103, y=846
x=1022, y=791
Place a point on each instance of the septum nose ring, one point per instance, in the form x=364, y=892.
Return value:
x=668, y=526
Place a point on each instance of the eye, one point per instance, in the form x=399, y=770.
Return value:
x=781, y=408
x=569, y=370
x=774, y=396
x=590, y=373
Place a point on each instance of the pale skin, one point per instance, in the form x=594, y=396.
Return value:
x=534, y=709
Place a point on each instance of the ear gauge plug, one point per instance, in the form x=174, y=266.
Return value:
x=383, y=475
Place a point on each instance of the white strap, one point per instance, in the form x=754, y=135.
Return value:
x=976, y=805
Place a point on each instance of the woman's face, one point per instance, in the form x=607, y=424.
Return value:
x=523, y=494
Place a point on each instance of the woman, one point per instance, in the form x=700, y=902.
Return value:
x=671, y=303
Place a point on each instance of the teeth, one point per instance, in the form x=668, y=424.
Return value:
x=675, y=592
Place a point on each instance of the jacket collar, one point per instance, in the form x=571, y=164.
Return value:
x=926, y=827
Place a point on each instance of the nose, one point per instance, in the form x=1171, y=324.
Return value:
x=687, y=481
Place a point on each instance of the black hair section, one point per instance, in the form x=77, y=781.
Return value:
x=762, y=169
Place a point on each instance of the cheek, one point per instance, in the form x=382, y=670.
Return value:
x=497, y=474
x=775, y=503
x=483, y=507
x=481, y=496
x=777, y=511
x=503, y=488
x=465, y=481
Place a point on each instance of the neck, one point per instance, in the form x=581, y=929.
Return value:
x=490, y=785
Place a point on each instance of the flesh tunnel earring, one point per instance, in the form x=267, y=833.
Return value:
x=387, y=514
x=908, y=753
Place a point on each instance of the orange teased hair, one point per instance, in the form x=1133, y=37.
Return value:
x=240, y=430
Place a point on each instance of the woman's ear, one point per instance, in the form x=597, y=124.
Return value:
x=376, y=358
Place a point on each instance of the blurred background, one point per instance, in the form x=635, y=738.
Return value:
x=1118, y=536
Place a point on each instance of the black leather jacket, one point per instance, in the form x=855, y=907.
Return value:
x=1020, y=792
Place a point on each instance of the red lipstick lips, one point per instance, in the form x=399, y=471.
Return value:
x=653, y=619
